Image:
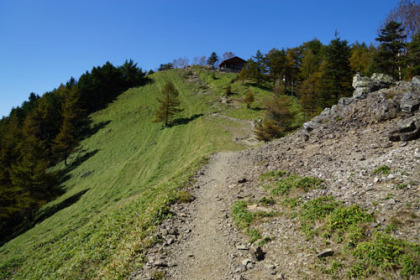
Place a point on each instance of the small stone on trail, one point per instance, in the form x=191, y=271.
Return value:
x=242, y=247
x=246, y=261
x=257, y=253
x=160, y=264
x=326, y=253
x=417, y=153
x=238, y=277
x=243, y=180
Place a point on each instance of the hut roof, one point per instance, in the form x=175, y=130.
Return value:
x=234, y=59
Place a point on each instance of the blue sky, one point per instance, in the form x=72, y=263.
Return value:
x=45, y=42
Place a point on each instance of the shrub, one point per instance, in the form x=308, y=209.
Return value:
x=383, y=169
x=184, y=197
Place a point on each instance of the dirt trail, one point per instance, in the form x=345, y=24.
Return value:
x=207, y=254
x=344, y=148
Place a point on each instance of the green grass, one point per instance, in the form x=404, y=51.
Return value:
x=370, y=255
x=218, y=82
x=294, y=181
x=386, y=253
x=245, y=219
x=383, y=169
x=273, y=175
x=136, y=169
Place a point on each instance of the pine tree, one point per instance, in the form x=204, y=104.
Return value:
x=72, y=114
x=29, y=175
x=212, y=59
x=278, y=120
x=388, y=58
x=292, y=70
x=308, y=91
x=276, y=64
x=413, y=57
x=44, y=121
x=249, y=98
x=361, y=58
x=255, y=69
x=169, y=104
x=336, y=75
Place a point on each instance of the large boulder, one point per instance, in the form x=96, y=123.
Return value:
x=416, y=80
x=410, y=102
x=380, y=80
x=407, y=130
x=362, y=86
x=360, y=81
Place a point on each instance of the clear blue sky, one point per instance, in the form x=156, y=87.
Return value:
x=45, y=42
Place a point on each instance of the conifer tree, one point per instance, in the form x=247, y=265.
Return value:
x=72, y=114
x=276, y=64
x=292, y=71
x=255, y=69
x=413, y=57
x=169, y=104
x=278, y=119
x=249, y=98
x=336, y=75
x=361, y=58
x=388, y=58
x=212, y=60
x=29, y=175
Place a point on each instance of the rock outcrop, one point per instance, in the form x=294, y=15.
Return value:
x=375, y=99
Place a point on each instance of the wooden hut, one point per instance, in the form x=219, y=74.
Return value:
x=234, y=64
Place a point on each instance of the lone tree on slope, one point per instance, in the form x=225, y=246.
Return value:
x=169, y=104
x=212, y=59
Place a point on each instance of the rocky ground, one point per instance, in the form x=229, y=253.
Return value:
x=343, y=146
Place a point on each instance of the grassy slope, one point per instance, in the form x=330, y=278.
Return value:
x=137, y=167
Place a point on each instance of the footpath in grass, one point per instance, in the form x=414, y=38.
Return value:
x=122, y=179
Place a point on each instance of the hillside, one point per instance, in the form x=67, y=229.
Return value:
x=122, y=178
x=335, y=200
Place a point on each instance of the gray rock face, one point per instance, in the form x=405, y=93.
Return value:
x=361, y=93
x=408, y=130
x=381, y=81
x=410, y=102
x=344, y=101
x=360, y=81
x=415, y=80
x=362, y=85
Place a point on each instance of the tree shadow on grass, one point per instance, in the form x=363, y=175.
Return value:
x=182, y=121
x=49, y=211
x=248, y=84
x=20, y=224
x=64, y=175
x=88, y=131
x=257, y=108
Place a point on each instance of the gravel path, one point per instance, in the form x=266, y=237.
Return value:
x=206, y=254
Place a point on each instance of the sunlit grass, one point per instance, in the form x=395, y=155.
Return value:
x=135, y=169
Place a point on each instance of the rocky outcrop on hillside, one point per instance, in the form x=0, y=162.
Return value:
x=345, y=146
